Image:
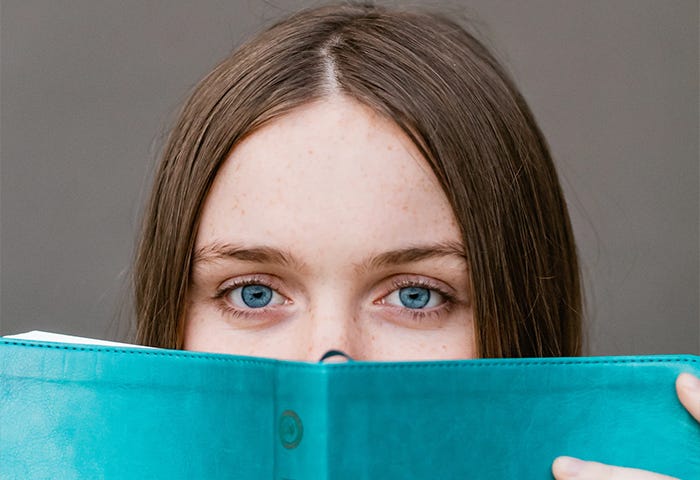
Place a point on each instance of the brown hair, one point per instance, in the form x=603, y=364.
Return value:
x=456, y=103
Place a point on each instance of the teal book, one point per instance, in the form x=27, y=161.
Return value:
x=89, y=411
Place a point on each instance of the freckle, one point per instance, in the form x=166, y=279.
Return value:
x=372, y=337
x=311, y=152
x=389, y=147
x=444, y=347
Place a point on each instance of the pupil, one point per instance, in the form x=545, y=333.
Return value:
x=414, y=297
x=256, y=296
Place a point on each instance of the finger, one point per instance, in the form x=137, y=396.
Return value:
x=688, y=388
x=568, y=468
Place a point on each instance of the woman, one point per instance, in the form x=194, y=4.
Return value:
x=367, y=180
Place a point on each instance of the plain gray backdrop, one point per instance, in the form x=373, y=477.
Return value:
x=89, y=89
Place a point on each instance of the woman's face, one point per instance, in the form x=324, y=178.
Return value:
x=326, y=229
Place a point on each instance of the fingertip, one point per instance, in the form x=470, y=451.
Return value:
x=688, y=389
x=566, y=467
x=688, y=382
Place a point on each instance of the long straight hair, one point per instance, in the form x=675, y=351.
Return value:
x=451, y=97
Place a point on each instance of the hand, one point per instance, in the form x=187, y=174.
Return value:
x=567, y=468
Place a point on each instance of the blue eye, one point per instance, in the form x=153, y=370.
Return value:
x=414, y=298
x=255, y=296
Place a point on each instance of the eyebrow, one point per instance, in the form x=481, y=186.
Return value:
x=259, y=254
x=265, y=254
x=412, y=254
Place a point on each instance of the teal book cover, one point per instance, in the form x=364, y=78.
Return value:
x=85, y=411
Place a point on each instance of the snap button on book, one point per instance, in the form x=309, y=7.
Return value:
x=290, y=429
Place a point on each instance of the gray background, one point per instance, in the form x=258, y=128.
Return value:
x=88, y=90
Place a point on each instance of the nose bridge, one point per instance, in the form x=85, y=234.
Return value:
x=332, y=326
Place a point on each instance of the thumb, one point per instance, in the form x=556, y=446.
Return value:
x=688, y=388
x=568, y=468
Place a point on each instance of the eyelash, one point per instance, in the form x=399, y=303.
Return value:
x=419, y=315
x=416, y=315
x=220, y=295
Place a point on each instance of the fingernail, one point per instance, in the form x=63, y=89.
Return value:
x=570, y=466
x=691, y=382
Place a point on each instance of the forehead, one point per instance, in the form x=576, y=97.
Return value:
x=332, y=174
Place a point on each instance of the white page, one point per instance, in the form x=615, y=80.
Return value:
x=61, y=338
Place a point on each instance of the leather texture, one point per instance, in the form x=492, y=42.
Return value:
x=72, y=411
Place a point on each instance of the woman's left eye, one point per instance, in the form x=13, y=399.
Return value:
x=254, y=296
x=414, y=298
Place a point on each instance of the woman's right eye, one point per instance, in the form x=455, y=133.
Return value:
x=254, y=296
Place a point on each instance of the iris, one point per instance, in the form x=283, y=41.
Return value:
x=414, y=297
x=256, y=296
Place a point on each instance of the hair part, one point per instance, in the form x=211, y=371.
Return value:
x=454, y=101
